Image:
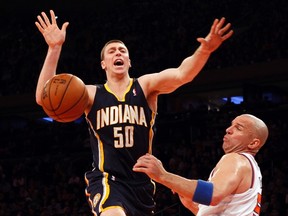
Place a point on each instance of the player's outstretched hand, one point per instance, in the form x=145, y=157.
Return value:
x=50, y=30
x=218, y=33
x=150, y=165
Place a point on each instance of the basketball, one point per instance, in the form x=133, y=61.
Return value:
x=64, y=97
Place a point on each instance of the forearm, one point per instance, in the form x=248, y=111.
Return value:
x=198, y=191
x=192, y=65
x=182, y=186
x=48, y=69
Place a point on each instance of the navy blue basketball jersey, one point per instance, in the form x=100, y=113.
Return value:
x=120, y=131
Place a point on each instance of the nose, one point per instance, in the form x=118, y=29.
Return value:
x=229, y=130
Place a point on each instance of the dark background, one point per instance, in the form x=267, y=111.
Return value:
x=159, y=34
x=42, y=163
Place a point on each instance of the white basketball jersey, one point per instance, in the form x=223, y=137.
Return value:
x=244, y=204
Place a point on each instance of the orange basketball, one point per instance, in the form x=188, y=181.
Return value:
x=64, y=97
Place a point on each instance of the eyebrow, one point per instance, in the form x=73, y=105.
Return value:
x=111, y=48
x=241, y=125
x=116, y=47
x=238, y=124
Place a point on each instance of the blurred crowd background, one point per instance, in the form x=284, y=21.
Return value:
x=42, y=163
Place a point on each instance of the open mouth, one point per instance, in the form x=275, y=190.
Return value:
x=118, y=62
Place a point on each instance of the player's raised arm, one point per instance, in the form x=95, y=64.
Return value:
x=170, y=79
x=54, y=38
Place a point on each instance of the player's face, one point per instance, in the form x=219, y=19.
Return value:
x=239, y=135
x=116, y=58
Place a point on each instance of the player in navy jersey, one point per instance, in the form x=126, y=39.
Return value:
x=121, y=115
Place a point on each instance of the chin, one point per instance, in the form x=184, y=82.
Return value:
x=120, y=71
x=227, y=150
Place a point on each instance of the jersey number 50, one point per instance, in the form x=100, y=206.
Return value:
x=123, y=137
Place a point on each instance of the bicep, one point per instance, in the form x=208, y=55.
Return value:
x=226, y=179
x=163, y=82
x=91, y=95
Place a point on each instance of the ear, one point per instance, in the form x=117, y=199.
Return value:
x=130, y=63
x=103, y=65
x=254, y=144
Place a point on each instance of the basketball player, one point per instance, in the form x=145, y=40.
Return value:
x=121, y=116
x=235, y=185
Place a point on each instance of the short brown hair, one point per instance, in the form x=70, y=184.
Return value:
x=109, y=42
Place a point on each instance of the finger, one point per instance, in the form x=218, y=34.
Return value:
x=219, y=25
x=201, y=40
x=213, y=27
x=140, y=158
x=224, y=29
x=46, y=19
x=138, y=169
x=228, y=35
x=141, y=163
x=146, y=161
x=64, y=26
x=146, y=156
x=150, y=156
x=39, y=27
x=43, y=24
x=53, y=17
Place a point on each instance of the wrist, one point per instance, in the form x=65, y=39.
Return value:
x=203, y=51
x=54, y=50
x=55, y=47
x=164, y=178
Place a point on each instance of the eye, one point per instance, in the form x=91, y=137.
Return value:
x=238, y=127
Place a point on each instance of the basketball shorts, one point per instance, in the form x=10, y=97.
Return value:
x=104, y=191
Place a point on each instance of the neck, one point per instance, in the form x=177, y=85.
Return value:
x=118, y=83
x=118, y=88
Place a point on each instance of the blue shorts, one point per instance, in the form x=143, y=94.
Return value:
x=105, y=191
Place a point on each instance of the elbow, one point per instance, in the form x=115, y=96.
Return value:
x=38, y=95
x=216, y=199
x=206, y=194
x=38, y=99
x=182, y=79
x=39, y=102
